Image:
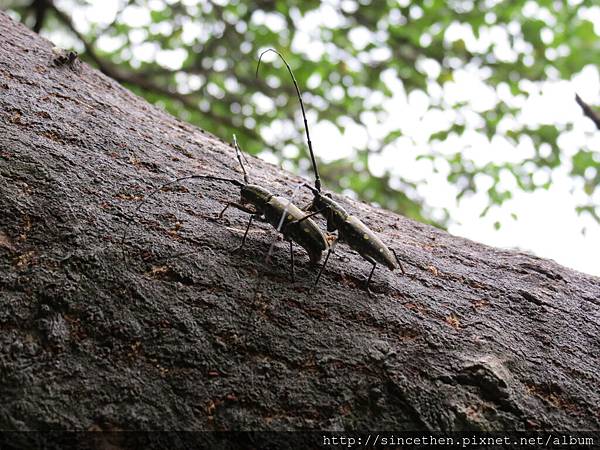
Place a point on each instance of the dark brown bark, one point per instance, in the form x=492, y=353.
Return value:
x=185, y=335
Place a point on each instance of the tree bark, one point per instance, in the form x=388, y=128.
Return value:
x=173, y=331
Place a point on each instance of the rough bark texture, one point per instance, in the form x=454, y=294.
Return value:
x=184, y=335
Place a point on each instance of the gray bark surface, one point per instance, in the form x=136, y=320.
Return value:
x=182, y=334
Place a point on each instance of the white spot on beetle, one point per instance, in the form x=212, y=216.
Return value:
x=365, y=237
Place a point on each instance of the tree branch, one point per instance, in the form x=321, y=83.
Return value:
x=588, y=111
x=423, y=355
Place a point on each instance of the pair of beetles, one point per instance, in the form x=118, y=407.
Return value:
x=295, y=224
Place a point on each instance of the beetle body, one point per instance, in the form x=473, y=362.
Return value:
x=353, y=231
x=294, y=226
x=262, y=205
x=350, y=229
x=361, y=239
x=255, y=195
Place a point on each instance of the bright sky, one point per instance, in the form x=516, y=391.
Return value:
x=543, y=222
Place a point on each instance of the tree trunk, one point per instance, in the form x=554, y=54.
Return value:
x=173, y=331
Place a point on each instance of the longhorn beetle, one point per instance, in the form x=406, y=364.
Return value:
x=350, y=229
x=287, y=218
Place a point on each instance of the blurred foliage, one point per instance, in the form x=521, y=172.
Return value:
x=197, y=60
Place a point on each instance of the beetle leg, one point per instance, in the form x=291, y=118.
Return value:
x=329, y=252
x=237, y=249
x=372, y=261
x=238, y=206
x=292, y=260
x=335, y=240
x=399, y=263
x=246, y=209
x=223, y=211
x=322, y=268
x=296, y=222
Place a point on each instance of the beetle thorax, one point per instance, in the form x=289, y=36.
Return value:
x=334, y=213
x=255, y=195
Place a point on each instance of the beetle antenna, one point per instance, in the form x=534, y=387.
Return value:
x=161, y=187
x=239, y=154
x=314, y=190
x=312, y=154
